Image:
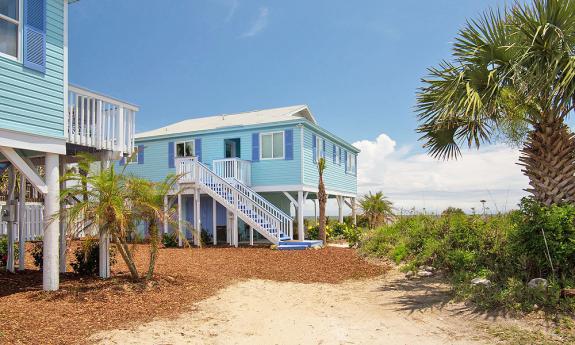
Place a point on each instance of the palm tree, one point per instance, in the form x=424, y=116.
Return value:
x=147, y=201
x=377, y=209
x=511, y=78
x=322, y=198
x=115, y=203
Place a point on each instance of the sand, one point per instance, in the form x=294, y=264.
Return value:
x=385, y=310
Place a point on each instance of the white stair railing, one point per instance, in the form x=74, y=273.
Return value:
x=234, y=168
x=249, y=208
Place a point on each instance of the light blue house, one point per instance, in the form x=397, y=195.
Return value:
x=44, y=121
x=248, y=171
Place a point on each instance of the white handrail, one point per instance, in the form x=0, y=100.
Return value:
x=101, y=122
x=239, y=169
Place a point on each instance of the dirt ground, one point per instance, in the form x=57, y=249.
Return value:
x=383, y=310
x=85, y=306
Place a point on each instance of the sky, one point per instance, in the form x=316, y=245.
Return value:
x=356, y=64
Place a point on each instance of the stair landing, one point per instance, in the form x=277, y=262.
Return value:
x=298, y=245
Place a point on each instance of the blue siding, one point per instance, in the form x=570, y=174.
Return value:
x=30, y=101
x=264, y=172
x=335, y=177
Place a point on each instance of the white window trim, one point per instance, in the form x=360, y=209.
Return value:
x=262, y=146
x=348, y=167
x=193, y=141
x=20, y=31
x=337, y=154
x=319, y=152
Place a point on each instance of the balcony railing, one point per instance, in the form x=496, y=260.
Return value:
x=185, y=169
x=231, y=168
x=100, y=122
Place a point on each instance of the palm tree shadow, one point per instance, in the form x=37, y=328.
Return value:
x=432, y=293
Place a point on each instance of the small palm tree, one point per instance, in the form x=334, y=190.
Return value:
x=322, y=198
x=147, y=202
x=512, y=77
x=377, y=209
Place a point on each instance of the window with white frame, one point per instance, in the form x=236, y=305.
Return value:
x=9, y=27
x=337, y=155
x=272, y=145
x=319, y=144
x=185, y=148
x=350, y=164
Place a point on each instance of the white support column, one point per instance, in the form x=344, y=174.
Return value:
x=166, y=210
x=10, y=224
x=353, y=211
x=50, y=270
x=22, y=224
x=214, y=221
x=63, y=223
x=180, y=221
x=104, y=241
x=236, y=232
x=300, y=227
x=251, y=236
x=340, y=208
x=197, y=218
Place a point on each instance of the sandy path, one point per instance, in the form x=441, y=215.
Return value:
x=388, y=310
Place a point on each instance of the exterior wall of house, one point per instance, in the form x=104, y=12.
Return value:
x=335, y=176
x=30, y=101
x=264, y=172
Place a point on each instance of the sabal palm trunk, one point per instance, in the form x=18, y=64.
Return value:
x=548, y=158
x=322, y=198
x=122, y=247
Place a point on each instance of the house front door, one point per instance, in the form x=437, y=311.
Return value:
x=232, y=148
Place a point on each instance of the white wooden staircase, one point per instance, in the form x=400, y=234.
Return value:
x=252, y=208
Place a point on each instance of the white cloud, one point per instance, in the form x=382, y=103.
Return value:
x=417, y=180
x=259, y=24
x=233, y=6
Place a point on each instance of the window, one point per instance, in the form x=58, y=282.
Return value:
x=9, y=27
x=184, y=148
x=337, y=155
x=272, y=145
x=319, y=146
x=351, y=162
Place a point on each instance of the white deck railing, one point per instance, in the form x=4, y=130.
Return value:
x=234, y=168
x=34, y=225
x=99, y=121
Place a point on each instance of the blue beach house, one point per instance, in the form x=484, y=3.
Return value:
x=242, y=175
x=44, y=122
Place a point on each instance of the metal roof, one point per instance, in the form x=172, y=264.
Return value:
x=254, y=117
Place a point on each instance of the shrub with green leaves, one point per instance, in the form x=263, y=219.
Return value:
x=87, y=257
x=38, y=254
x=508, y=249
x=170, y=240
x=4, y=250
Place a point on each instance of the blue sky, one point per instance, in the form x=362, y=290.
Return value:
x=357, y=64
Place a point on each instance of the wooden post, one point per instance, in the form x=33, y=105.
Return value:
x=104, y=240
x=251, y=236
x=214, y=221
x=197, y=217
x=22, y=225
x=50, y=269
x=180, y=220
x=10, y=224
x=63, y=223
x=300, y=225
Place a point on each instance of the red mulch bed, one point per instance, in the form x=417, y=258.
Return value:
x=84, y=306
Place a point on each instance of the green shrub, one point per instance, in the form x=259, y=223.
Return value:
x=4, y=250
x=38, y=254
x=170, y=240
x=508, y=249
x=87, y=257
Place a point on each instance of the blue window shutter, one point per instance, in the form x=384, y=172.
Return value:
x=314, y=147
x=171, y=158
x=255, y=147
x=122, y=161
x=34, y=40
x=289, y=144
x=198, y=148
x=345, y=160
x=140, y=154
x=323, y=148
x=355, y=164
